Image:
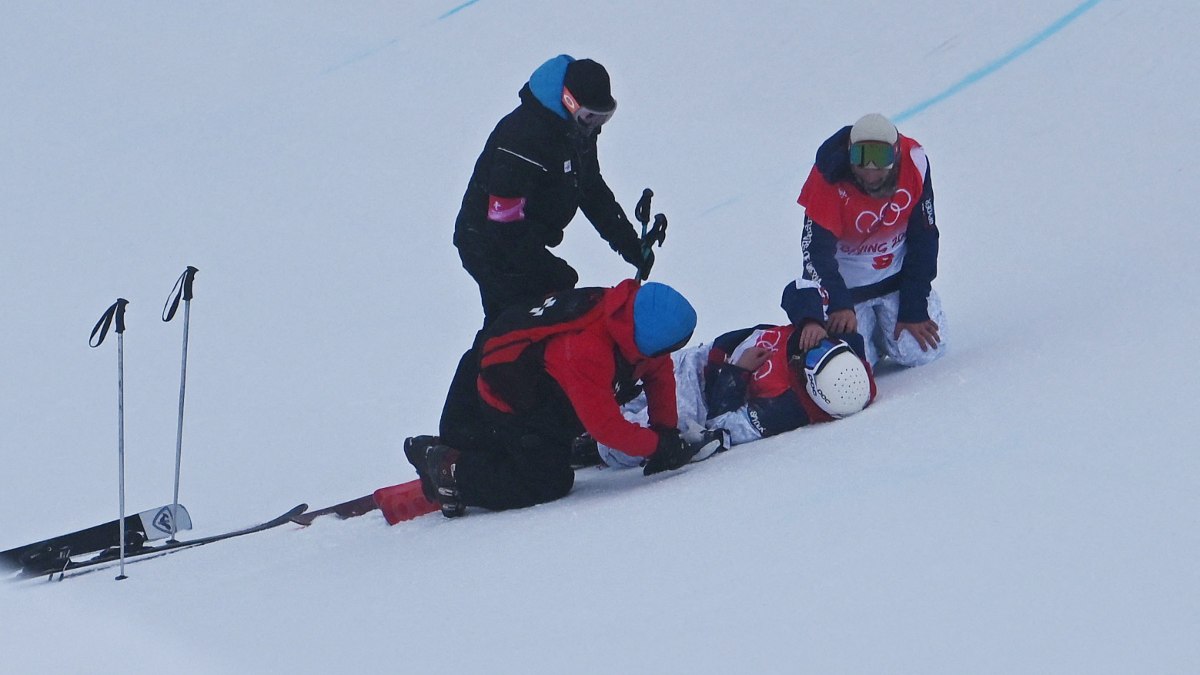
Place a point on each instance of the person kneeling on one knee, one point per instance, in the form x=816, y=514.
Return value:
x=553, y=371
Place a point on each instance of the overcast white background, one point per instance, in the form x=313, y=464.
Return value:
x=1029, y=503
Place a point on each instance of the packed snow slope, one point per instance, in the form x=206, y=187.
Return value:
x=1028, y=504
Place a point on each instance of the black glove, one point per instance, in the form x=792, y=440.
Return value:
x=711, y=442
x=584, y=452
x=672, y=452
x=635, y=254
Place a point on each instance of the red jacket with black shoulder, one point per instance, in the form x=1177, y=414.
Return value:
x=579, y=342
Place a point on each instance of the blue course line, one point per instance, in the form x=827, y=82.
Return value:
x=369, y=53
x=458, y=9
x=721, y=205
x=999, y=63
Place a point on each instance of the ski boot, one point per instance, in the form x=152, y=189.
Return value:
x=416, y=448
x=441, y=461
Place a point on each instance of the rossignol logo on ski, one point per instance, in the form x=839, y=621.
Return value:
x=109, y=552
x=162, y=520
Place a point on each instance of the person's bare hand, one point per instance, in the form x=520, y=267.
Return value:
x=811, y=334
x=752, y=358
x=842, y=321
x=925, y=332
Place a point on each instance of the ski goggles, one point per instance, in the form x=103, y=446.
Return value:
x=586, y=117
x=882, y=155
x=816, y=358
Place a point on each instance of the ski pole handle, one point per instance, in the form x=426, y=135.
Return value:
x=181, y=291
x=115, y=312
x=120, y=327
x=642, y=210
x=189, y=275
x=657, y=233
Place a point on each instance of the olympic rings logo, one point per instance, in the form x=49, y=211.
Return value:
x=888, y=216
x=767, y=339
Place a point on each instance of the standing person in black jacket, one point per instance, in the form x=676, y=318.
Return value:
x=537, y=169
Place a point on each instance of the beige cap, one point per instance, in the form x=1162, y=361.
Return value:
x=874, y=127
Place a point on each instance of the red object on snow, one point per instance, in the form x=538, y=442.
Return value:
x=403, y=502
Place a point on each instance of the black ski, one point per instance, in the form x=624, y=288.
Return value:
x=348, y=509
x=52, y=553
x=111, y=556
x=401, y=502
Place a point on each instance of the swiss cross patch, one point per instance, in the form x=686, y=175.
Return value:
x=506, y=209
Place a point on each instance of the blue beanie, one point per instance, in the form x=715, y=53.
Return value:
x=662, y=318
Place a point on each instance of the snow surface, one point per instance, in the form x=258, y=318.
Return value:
x=1029, y=504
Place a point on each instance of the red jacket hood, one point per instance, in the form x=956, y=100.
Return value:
x=618, y=318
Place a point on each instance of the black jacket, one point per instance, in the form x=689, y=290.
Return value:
x=536, y=155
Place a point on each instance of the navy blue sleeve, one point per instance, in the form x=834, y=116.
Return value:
x=778, y=414
x=725, y=389
x=920, y=261
x=724, y=383
x=725, y=343
x=802, y=303
x=802, y=298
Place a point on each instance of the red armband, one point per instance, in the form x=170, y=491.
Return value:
x=506, y=209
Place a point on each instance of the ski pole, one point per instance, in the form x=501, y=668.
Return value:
x=650, y=234
x=182, y=290
x=117, y=312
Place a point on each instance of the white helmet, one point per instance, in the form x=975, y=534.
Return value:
x=836, y=378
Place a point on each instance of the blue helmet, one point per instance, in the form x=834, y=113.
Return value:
x=663, y=320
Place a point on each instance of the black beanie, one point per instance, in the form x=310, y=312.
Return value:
x=588, y=83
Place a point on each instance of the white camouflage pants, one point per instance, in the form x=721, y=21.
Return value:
x=689, y=397
x=877, y=324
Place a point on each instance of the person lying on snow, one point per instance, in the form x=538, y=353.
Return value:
x=753, y=383
x=551, y=372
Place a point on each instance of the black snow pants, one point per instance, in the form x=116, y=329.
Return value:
x=505, y=280
x=511, y=460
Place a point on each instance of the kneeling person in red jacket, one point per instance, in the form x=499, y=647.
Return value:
x=551, y=372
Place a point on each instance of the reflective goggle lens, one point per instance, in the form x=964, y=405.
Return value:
x=816, y=358
x=588, y=118
x=882, y=155
x=592, y=119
